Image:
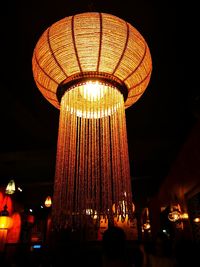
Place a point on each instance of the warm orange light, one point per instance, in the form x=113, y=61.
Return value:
x=89, y=43
x=197, y=220
x=175, y=212
x=92, y=100
x=184, y=215
x=146, y=226
x=6, y=222
x=91, y=72
x=13, y=235
x=174, y=216
x=122, y=209
x=48, y=202
x=93, y=91
x=145, y=221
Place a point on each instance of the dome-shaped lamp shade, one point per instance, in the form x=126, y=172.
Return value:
x=48, y=202
x=86, y=47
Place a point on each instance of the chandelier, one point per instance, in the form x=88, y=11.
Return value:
x=91, y=66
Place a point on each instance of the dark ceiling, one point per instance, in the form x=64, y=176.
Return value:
x=157, y=125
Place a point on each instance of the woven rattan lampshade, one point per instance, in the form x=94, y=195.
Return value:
x=91, y=45
x=91, y=66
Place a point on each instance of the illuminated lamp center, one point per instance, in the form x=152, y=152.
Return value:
x=92, y=100
x=93, y=91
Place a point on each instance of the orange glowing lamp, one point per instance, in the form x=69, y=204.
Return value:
x=184, y=216
x=175, y=213
x=147, y=225
x=197, y=220
x=121, y=210
x=91, y=73
x=48, y=202
x=6, y=222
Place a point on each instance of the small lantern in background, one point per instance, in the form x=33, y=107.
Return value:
x=5, y=220
x=146, y=225
x=6, y=223
x=48, y=202
x=122, y=210
x=10, y=189
x=196, y=220
x=175, y=213
x=184, y=216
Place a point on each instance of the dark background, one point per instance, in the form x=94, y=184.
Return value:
x=157, y=125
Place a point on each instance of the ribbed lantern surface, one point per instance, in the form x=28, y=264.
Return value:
x=91, y=66
x=91, y=43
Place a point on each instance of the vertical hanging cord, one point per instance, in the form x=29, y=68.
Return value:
x=92, y=165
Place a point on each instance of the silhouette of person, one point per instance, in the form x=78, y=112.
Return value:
x=114, y=248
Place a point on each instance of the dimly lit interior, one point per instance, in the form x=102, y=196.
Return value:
x=162, y=127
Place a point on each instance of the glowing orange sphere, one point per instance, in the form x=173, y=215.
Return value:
x=87, y=46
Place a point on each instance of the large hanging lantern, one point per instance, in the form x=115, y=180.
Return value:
x=91, y=72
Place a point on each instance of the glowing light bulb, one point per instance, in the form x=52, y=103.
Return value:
x=93, y=91
x=196, y=220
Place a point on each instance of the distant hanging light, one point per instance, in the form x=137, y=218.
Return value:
x=10, y=189
x=6, y=223
x=197, y=220
x=121, y=211
x=5, y=219
x=184, y=216
x=48, y=202
x=175, y=213
x=145, y=219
